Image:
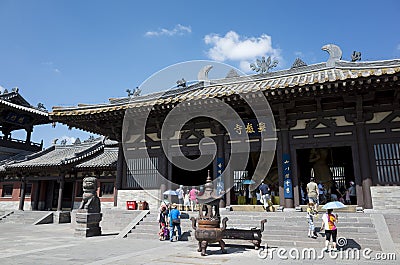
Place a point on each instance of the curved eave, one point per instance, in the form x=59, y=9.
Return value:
x=343, y=72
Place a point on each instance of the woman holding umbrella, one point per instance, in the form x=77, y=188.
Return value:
x=329, y=222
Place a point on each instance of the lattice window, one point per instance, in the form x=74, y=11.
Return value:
x=143, y=172
x=238, y=177
x=338, y=176
x=387, y=159
x=7, y=191
x=106, y=189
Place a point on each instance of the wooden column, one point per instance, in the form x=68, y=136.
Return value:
x=283, y=160
x=28, y=135
x=221, y=163
x=366, y=177
x=120, y=172
x=22, y=194
x=60, y=193
x=36, y=197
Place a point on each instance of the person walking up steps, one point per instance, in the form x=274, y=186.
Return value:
x=313, y=193
x=329, y=222
x=310, y=219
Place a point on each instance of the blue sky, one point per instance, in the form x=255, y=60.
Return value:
x=62, y=53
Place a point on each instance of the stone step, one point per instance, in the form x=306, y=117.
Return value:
x=287, y=243
x=24, y=217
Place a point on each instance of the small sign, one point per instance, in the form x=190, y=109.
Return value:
x=287, y=178
x=220, y=181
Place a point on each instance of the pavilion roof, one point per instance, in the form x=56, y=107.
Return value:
x=59, y=155
x=107, y=159
x=290, y=80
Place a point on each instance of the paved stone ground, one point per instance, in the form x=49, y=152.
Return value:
x=55, y=244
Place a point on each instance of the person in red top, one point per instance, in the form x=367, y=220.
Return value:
x=329, y=222
x=193, y=197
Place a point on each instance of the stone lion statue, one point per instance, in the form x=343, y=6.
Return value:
x=90, y=201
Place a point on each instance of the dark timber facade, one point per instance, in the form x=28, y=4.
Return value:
x=352, y=109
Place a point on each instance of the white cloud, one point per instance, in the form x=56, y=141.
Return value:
x=234, y=47
x=177, y=30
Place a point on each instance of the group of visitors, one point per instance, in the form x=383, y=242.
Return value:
x=321, y=195
x=188, y=198
x=329, y=220
x=169, y=218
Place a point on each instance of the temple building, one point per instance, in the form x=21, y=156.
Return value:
x=51, y=179
x=16, y=114
x=337, y=120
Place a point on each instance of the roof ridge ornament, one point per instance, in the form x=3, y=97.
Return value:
x=134, y=92
x=298, y=63
x=181, y=82
x=264, y=66
x=356, y=56
x=335, y=54
x=203, y=74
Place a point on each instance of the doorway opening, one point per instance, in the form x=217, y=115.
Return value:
x=191, y=178
x=337, y=160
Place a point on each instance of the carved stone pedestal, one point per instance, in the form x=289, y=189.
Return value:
x=87, y=224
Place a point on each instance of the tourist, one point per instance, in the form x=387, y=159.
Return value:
x=162, y=220
x=181, y=193
x=174, y=218
x=347, y=197
x=342, y=194
x=310, y=219
x=313, y=193
x=321, y=193
x=302, y=194
x=329, y=222
x=334, y=193
x=193, y=198
x=258, y=198
x=186, y=201
x=352, y=193
x=265, y=196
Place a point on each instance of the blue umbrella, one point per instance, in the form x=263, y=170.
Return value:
x=334, y=205
x=170, y=192
x=248, y=181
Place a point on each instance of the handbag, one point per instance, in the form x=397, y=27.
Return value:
x=176, y=221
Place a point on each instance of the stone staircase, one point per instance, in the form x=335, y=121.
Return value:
x=149, y=227
x=290, y=228
x=283, y=229
x=24, y=217
x=115, y=220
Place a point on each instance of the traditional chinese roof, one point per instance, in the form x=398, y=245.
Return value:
x=59, y=155
x=290, y=80
x=13, y=101
x=328, y=79
x=107, y=159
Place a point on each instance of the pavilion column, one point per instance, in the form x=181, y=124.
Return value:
x=22, y=194
x=364, y=167
x=120, y=171
x=36, y=197
x=220, y=166
x=28, y=135
x=284, y=164
x=60, y=193
x=286, y=171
